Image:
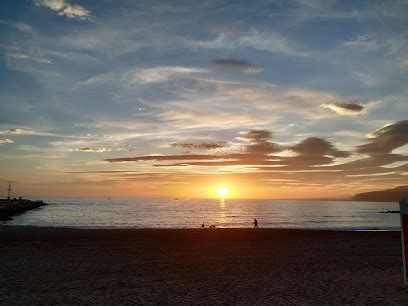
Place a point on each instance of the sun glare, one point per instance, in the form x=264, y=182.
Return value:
x=222, y=191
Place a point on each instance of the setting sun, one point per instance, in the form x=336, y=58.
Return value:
x=222, y=191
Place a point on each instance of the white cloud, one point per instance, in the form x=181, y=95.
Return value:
x=97, y=79
x=21, y=131
x=6, y=140
x=361, y=39
x=401, y=150
x=395, y=164
x=366, y=42
x=266, y=41
x=55, y=5
x=159, y=74
x=23, y=27
x=269, y=41
x=222, y=41
x=75, y=11
x=186, y=119
x=370, y=174
x=22, y=56
x=90, y=149
x=63, y=8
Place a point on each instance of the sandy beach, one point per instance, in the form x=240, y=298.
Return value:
x=242, y=266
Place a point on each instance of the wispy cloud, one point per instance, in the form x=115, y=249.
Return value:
x=259, y=40
x=6, y=140
x=64, y=8
x=102, y=149
x=91, y=150
x=160, y=74
x=367, y=40
x=187, y=119
x=21, y=26
x=23, y=131
x=23, y=56
x=198, y=146
x=271, y=42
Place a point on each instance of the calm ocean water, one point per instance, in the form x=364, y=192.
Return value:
x=191, y=213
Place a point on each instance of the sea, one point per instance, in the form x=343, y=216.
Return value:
x=229, y=213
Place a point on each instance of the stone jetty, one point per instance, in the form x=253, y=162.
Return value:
x=13, y=207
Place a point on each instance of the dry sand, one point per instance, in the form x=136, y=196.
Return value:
x=244, y=266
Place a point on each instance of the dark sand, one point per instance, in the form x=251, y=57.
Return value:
x=245, y=266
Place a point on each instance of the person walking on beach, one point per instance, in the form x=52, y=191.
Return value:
x=255, y=223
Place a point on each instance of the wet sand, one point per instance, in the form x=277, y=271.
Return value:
x=242, y=266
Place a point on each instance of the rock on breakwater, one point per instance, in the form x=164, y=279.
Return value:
x=13, y=207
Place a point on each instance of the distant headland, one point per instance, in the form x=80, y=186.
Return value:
x=388, y=195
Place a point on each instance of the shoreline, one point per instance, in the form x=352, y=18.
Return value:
x=4, y=224
x=234, y=266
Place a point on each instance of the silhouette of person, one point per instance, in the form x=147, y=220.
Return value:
x=255, y=223
x=202, y=225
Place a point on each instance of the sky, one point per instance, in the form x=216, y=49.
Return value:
x=272, y=99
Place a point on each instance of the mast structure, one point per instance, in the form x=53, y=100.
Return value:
x=9, y=191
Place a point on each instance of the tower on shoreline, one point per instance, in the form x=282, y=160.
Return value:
x=9, y=191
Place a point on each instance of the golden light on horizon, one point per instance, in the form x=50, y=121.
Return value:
x=222, y=191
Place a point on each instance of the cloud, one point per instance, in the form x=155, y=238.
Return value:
x=21, y=26
x=351, y=107
x=21, y=131
x=386, y=139
x=17, y=131
x=6, y=140
x=159, y=74
x=165, y=158
x=198, y=146
x=259, y=153
x=91, y=150
x=63, y=8
x=367, y=40
x=258, y=135
x=313, y=161
x=278, y=100
x=187, y=119
x=104, y=78
x=314, y=146
x=265, y=41
x=237, y=64
x=255, y=152
x=272, y=42
x=260, y=143
x=22, y=56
